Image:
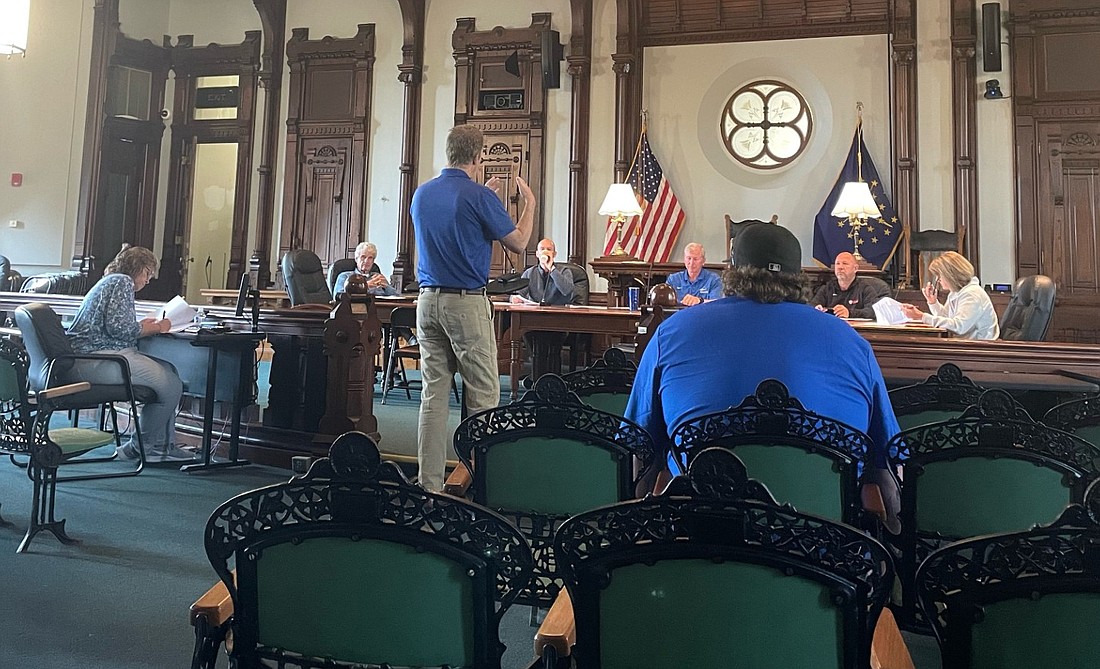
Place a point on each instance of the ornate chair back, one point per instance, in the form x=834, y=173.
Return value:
x=989, y=470
x=548, y=456
x=807, y=460
x=1080, y=417
x=942, y=396
x=714, y=570
x=352, y=565
x=605, y=384
x=1017, y=600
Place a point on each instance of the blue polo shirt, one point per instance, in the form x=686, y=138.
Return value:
x=456, y=221
x=706, y=286
x=710, y=357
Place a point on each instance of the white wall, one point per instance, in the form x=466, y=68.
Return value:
x=42, y=134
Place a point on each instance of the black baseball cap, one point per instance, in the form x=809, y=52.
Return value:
x=767, y=246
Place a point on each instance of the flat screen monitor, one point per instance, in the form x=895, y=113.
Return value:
x=242, y=294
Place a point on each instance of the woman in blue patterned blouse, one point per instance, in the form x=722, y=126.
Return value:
x=107, y=323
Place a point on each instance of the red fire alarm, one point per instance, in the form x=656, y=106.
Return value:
x=16, y=179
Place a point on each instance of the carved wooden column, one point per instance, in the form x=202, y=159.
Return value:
x=580, y=70
x=273, y=19
x=903, y=97
x=411, y=74
x=105, y=32
x=627, y=65
x=964, y=42
x=352, y=336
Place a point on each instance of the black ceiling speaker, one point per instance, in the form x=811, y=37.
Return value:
x=552, y=53
x=991, y=37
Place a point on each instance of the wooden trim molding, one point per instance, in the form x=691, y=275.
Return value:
x=411, y=74
x=903, y=98
x=580, y=71
x=273, y=21
x=964, y=40
x=627, y=65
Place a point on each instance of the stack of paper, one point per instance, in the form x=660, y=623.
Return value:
x=888, y=312
x=178, y=311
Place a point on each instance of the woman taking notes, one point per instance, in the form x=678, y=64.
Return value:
x=968, y=312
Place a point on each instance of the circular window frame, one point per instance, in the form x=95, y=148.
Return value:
x=802, y=124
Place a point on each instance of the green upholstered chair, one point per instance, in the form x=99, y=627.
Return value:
x=1080, y=417
x=942, y=396
x=25, y=433
x=605, y=384
x=990, y=470
x=715, y=574
x=807, y=460
x=548, y=456
x=352, y=565
x=1017, y=600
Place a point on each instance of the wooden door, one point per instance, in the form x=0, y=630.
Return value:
x=1069, y=205
x=503, y=157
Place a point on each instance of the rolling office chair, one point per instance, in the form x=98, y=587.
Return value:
x=1030, y=310
x=340, y=266
x=305, y=279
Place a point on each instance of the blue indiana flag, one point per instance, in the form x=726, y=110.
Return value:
x=879, y=238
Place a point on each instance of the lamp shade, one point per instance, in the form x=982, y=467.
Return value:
x=14, y=18
x=856, y=200
x=620, y=201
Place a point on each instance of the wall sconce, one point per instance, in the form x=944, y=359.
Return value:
x=993, y=90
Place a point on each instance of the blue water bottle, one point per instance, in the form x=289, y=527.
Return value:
x=634, y=297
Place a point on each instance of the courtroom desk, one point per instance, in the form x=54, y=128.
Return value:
x=582, y=319
x=871, y=329
x=270, y=299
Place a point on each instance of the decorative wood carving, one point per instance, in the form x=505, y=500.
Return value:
x=273, y=20
x=352, y=340
x=189, y=63
x=903, y=98
x=627, y=66
x=411, y=74
x=580, y=71
x=487, y=62
x=964, y=40
x=326, y=144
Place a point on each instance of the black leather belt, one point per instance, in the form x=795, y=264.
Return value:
x=453, y=291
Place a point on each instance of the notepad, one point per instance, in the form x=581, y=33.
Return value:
x=888, y=312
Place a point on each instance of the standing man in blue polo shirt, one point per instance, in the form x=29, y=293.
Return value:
x=456, y=220
x=695, y=284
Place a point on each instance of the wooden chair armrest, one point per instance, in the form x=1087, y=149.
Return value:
x=871, y=497
x=458, y=482
x=558, y=630
x=61, y=391
x=888, y=649
x=215, y=606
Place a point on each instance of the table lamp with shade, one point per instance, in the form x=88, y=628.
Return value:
x=14, y=21
x=857, y=205
x=620, y=203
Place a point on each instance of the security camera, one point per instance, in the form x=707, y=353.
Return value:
x=164, y=114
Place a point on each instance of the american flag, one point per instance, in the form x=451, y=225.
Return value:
x=651, y=236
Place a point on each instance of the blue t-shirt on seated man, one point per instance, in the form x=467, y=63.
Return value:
x=695, y=284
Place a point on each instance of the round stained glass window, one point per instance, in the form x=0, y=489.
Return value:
x=766, y=124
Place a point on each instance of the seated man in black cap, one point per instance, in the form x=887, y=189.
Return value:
x=549, y=285
x=710, y=357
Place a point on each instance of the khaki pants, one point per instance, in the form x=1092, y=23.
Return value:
x=455, y=332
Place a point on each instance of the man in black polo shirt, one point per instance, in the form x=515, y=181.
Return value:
x=848, y=295
x=456, y=220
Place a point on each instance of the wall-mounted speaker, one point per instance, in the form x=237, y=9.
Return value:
x=552, y=53
x=991, y=37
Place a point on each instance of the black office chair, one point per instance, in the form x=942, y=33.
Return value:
x=53, y=363
x=579, y=343
x=340, y=266
x=305, y=279
x=1029, y=312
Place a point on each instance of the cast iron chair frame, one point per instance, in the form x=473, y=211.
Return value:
x=956, y=581
x=613, y=373
x=947, y=389
x=1068, y=416
x=997, y=417
x=717, y=513
x=353, y=494
x=549, y=409
x=771, y=412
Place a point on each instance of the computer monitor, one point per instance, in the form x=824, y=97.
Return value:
x=242, y=294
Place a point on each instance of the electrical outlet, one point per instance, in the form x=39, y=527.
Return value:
x=13, y=223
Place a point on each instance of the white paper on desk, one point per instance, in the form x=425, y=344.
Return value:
x=178, y=311
x=888, y=312
x=521, y=300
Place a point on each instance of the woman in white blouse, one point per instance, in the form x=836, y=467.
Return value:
x=968, y=312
